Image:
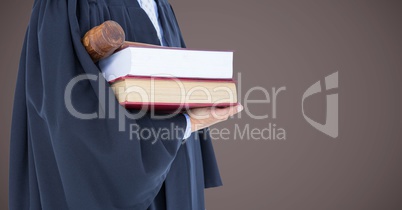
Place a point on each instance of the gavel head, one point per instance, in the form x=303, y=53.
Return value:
x=101, y=41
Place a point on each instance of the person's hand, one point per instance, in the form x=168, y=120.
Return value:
x=204, y=117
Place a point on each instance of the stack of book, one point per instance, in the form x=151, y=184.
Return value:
x=168, y=78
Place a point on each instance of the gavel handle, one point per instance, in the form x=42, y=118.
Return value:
x=101, y=41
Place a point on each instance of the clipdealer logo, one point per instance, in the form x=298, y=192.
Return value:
x=271, y=132
x=331, y=127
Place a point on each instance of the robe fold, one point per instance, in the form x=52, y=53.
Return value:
x=74, y=148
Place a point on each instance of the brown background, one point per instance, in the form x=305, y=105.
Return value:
x=293, y=44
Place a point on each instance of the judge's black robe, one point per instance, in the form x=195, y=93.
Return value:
x=58, y=161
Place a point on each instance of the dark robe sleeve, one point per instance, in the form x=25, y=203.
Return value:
x=59, y=161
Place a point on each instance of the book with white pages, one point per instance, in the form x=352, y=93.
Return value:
x=167, y=62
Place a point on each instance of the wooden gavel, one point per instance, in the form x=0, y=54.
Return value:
x=101, y=41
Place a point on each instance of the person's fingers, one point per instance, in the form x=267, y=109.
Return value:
x=235, y=109
x=225, y=113
x=200, y=113
x=204, y=117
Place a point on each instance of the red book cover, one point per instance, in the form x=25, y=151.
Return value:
x=172, y=106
